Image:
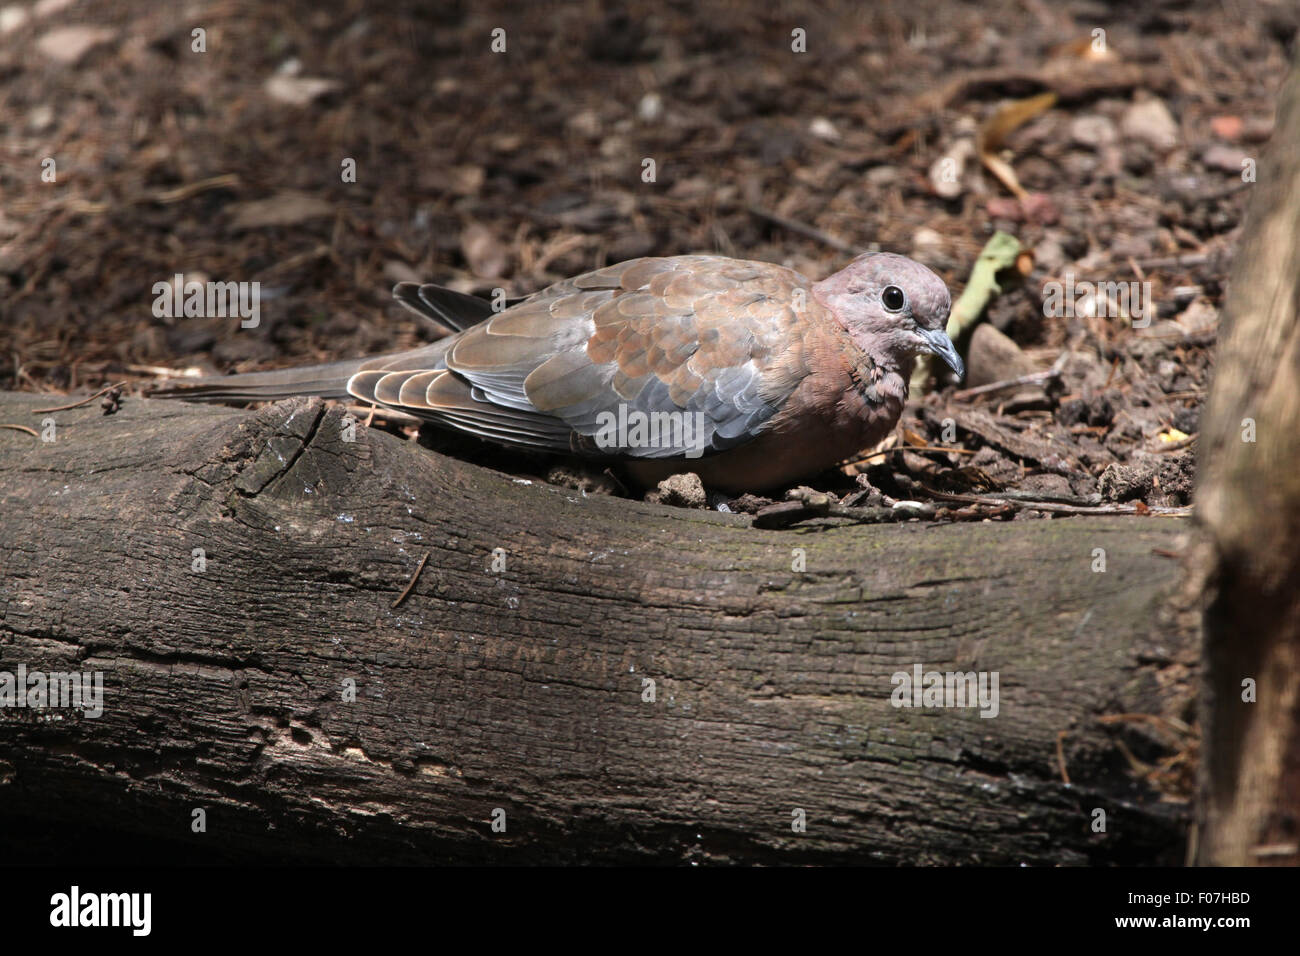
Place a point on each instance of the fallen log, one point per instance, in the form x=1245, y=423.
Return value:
x=606, y=679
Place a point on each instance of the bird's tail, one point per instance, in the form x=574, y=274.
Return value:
x=327, y=381
x=453, y=311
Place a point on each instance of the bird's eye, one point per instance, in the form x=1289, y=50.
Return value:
x=893, y=298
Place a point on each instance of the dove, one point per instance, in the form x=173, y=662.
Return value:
x=747, y=373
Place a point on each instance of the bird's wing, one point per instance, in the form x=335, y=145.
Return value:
x=699, y=336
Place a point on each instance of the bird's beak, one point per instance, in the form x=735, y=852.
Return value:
x=942, y=346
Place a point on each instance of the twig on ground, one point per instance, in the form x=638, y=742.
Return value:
x=901, y=448
x=803, y=229
x=1033, y=378
x=414, y=577
x=181, y=193
x=817, y=504
x=1009, y=500
x=84, y=401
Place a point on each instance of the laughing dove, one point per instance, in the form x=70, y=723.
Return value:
x=746, y=373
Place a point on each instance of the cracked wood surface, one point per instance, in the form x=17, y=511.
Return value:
x=523, y=689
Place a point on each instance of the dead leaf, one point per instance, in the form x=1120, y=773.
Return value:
x=997, y=127
x=1084, y=48
x=486, y=256
x=70, y=44
x=1004, y=174
x=298, y=90
x=1010, y=117
x=870, y=456
x=287, y=208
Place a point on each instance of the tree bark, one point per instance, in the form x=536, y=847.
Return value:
x=523, y=688
x=1248, y=505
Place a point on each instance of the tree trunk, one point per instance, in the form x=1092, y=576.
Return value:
x=1248, y=504
x=524, y=687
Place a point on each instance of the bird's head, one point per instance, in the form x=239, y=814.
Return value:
x=893, y=307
